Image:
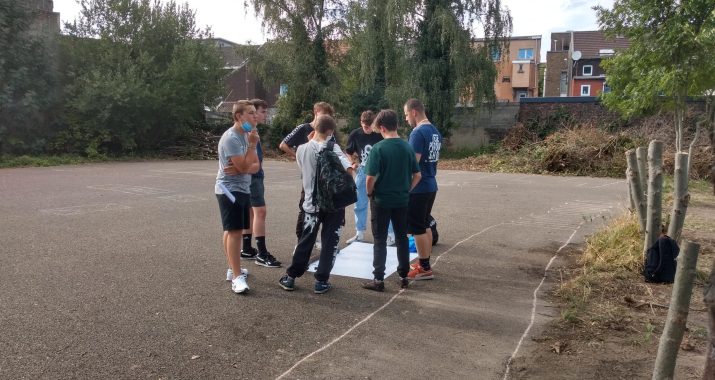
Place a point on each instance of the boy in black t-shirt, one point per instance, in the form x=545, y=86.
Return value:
x=360, y=142
x=299, y=136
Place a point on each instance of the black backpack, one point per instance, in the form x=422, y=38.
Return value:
x=660, y=260
x=333, y=188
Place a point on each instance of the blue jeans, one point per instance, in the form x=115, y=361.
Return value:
x=362, y=203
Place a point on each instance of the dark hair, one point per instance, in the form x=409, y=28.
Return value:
x=415, y=104
x=325, y=124
x=367, y=117
x=324, y=107
x=386, y=119
x=259, y=103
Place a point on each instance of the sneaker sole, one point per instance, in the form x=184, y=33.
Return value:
x=267, y=265
x=248, y=257
x=420, y=278
x=321, y=291
x=242, y=291
x=286, y=287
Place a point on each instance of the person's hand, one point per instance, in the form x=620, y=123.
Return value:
x=230, y=170
x=355, y=166
x=253, y=137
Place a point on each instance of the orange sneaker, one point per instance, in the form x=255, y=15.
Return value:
x=418, y=273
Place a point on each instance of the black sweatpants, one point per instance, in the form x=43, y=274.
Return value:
x=380, y=220
x=332, y=226
x=301, y=216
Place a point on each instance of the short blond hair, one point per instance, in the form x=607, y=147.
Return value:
x=241, y=106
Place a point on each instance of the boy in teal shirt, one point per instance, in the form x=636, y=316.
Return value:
x=392, y=172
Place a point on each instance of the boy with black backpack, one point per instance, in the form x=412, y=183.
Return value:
x=317, y=159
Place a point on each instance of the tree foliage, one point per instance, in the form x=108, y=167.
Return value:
x=302, y=30
x=379, y=53
x=28, y=80
x=449, y=65
x=670, y=57
x=138, y=76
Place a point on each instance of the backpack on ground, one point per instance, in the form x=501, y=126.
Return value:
x=660, y=260
x=334, y=188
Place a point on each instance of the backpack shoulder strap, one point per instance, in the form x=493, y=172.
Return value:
x=330, y=145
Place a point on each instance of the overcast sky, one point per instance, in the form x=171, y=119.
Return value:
x=228, y=19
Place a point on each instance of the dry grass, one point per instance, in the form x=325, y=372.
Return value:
x=618, y=246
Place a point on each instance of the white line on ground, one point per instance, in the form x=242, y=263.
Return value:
x=301, y=361
x=533, y=303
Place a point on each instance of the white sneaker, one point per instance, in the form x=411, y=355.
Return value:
x=239, y=285
x=390, y=240
x=229, y=273
x=359, y=236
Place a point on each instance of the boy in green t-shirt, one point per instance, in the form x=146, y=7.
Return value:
x=392, y=172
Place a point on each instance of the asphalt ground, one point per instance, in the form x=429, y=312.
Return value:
x=116, y=271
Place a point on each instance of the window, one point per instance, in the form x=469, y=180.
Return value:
x=585, y=90
x=506, y=79
x=588, y=70
x=563, y=83
x=606, y=87
x=496, y=55
x=526, y=53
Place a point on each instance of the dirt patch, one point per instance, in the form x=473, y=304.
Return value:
x=609, y=324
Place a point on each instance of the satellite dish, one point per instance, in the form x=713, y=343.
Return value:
x=576, y=55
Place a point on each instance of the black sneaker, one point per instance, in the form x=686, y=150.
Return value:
x=249, y=254
x=376, y=285
x=267, y=260
x=322, y=287
x=287, y=282
x=404, y=282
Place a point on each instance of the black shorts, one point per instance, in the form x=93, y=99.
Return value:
x=257, y=192
x=418, y=212
x=235, y=216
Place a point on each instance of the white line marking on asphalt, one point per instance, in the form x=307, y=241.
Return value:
x=84, y=209
x=609, y=184
x=321, y=349
x=533, y=303
x=130, y=189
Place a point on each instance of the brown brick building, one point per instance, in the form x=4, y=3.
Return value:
x=240, y=82
x=517, y=67
x=573, y=63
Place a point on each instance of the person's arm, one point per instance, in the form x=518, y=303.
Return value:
x=244, y=163
x=347, y=165
x=416, y=177
x=370, y=184
x=285, y=148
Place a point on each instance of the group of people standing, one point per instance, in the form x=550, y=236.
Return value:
x=394, y=177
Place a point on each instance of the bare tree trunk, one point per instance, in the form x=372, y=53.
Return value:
x=681, y=196
x=636, y=191
x=642, y=156
x=692, y=145
x=655, y=194
x=709, y=300
x=677, y=313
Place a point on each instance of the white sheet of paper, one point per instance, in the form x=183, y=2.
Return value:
x=355, y=260
x=227, y=192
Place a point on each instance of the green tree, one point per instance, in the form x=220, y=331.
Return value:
x=670, y=57
x=450, y=67
x=139, y=73
x=28, y=80
x=301, y=30
x=423, y=48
